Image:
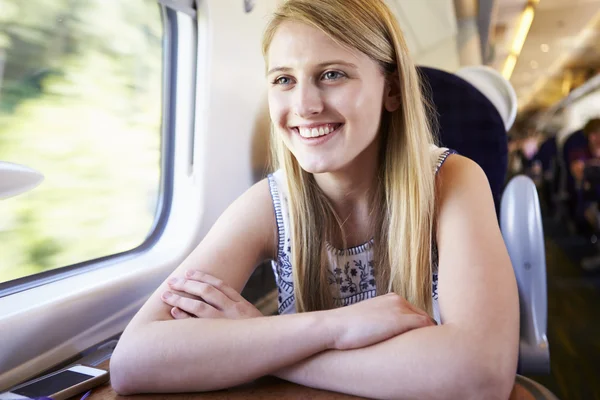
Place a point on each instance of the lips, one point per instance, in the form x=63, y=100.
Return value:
x=315, y=131
x=317, y=134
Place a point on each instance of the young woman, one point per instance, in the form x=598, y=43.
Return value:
x=357, y=169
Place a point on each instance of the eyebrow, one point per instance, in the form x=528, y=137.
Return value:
x=321, y=65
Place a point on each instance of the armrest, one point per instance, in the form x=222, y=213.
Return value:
x=521, y=225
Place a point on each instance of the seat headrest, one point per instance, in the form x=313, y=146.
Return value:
x=575, y=140
x=469, y=123
x=496, y=88
x=547, y=152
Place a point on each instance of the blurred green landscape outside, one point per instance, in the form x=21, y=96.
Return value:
x=80, y=101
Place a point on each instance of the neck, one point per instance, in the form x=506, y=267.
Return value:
x=351, y=191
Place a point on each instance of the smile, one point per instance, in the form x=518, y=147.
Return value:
x=316, y=131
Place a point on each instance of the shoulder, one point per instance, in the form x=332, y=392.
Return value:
x=463, y=192
x=257, y=195
x=459, y=170
x=257, y=201
x=251, y=216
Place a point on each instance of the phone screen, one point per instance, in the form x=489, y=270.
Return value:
x=52, y=384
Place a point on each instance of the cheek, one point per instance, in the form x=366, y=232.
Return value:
x=277, y=108
x=362, y=107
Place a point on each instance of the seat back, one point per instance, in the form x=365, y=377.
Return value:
x=523, y=233
x=470, y=124
x=547, y=154
x=575, y=141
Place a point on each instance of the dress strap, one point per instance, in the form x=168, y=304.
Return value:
x=439, y=156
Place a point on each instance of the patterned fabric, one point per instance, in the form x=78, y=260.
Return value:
x=350, y=273
x=469, y=123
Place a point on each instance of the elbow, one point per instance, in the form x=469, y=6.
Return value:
x=118, y=375
x=493, y=386
x=122, y=371
x=492, y=380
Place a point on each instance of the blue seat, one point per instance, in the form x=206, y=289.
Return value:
x=547, y=157
x=574, y=141
x=470, y=124
x=547, y=154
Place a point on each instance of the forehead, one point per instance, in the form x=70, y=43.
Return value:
x=296, y=44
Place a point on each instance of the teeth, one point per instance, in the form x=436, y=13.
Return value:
x=316, y=132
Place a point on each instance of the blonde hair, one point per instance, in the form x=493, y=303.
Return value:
x=403, y=202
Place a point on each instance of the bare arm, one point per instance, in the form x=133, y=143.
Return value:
x=473, y=355
x=159, y=354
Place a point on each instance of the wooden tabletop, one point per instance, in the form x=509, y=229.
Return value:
x=266, y=388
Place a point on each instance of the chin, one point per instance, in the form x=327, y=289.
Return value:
x=317, y=167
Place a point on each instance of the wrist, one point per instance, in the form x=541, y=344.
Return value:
x=329, y=328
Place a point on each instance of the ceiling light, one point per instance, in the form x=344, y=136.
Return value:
x=522, y=31
x=524, y=25
x=509, y=66
x=545, y=48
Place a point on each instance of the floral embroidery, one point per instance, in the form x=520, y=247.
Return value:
x=352, y=283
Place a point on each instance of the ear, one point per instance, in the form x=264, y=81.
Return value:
x=391, y=94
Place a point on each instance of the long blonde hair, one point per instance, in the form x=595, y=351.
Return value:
x=403, y=202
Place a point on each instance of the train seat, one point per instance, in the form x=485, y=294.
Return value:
x=574, y=141
x=469, y=123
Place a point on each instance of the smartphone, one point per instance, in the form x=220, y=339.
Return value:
x=59, y=385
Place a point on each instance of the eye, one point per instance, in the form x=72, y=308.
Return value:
x=333, y=75
x=282, y=80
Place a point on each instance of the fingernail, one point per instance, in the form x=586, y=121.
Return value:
x=166, y=295
x=172, y=281
x=189, y=273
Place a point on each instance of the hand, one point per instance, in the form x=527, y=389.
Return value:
x=375, y=320
x=212, y=298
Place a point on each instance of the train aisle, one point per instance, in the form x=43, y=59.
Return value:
x=573, y=317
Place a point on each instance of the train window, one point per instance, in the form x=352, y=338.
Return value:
x=81, y=102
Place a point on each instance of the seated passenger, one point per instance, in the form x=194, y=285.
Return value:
x=393, y=277
x=522, y=155
x=583, y=164
x=544, y=172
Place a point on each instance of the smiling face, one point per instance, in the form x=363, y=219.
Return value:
x=325, y=100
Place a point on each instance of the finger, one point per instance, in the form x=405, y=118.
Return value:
x=179, y=314
x=416, y=321
x=205, y=291
x=215, y=282
x=417, y=310
x=414, y=309
x=191, y=306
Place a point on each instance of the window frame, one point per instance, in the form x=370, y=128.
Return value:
x=165, y=195
x=96, y=301
x=46, y=325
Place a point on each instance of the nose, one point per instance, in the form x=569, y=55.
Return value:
x=307, y=101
